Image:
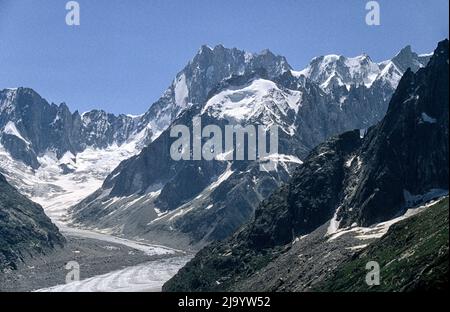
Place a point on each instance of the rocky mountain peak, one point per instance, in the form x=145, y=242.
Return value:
x=331, y=71
x=407, y=58
x=336, y=71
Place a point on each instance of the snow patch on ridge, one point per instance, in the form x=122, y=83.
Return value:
x=334, y=223
x=258, y=97
x=222, y=178
x=11, y=129
x=427, y=119
x=380, y=229
x=181, y=91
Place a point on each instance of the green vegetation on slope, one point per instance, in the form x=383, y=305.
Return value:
x=413, y=255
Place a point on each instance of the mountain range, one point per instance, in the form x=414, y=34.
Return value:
x=57, y=157
x=349, y=203
x=336, y=199
x=213, y=199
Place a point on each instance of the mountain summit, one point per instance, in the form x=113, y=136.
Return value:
x=334, y=71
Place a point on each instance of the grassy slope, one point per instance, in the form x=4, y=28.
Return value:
x=413, y=255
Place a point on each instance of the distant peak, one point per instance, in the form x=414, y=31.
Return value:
x=405, y=52
x=25, y=91
x=365, y=56
x=204, y=48
x=328, y=58
x=362, y=59
x=10, y=89
x=406, y=49
x=266, y=52
x=219, y=47
x=442, y=47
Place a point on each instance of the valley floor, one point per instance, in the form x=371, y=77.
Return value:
x=107, y=263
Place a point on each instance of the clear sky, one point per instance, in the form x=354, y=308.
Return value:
x=126, y=52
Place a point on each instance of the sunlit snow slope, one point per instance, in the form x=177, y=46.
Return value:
x=56, y=191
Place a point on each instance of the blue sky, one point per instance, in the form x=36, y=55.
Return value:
x=126, y=52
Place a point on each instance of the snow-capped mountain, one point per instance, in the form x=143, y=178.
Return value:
x=209, y=67
x=341, y=202
x=31, y=127
x=43, y=127
x=58, y=157
x=331, y=71
x=194, y=202
x=212, y=197
x=334, y=71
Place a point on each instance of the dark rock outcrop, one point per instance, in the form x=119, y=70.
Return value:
x=25, y=231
